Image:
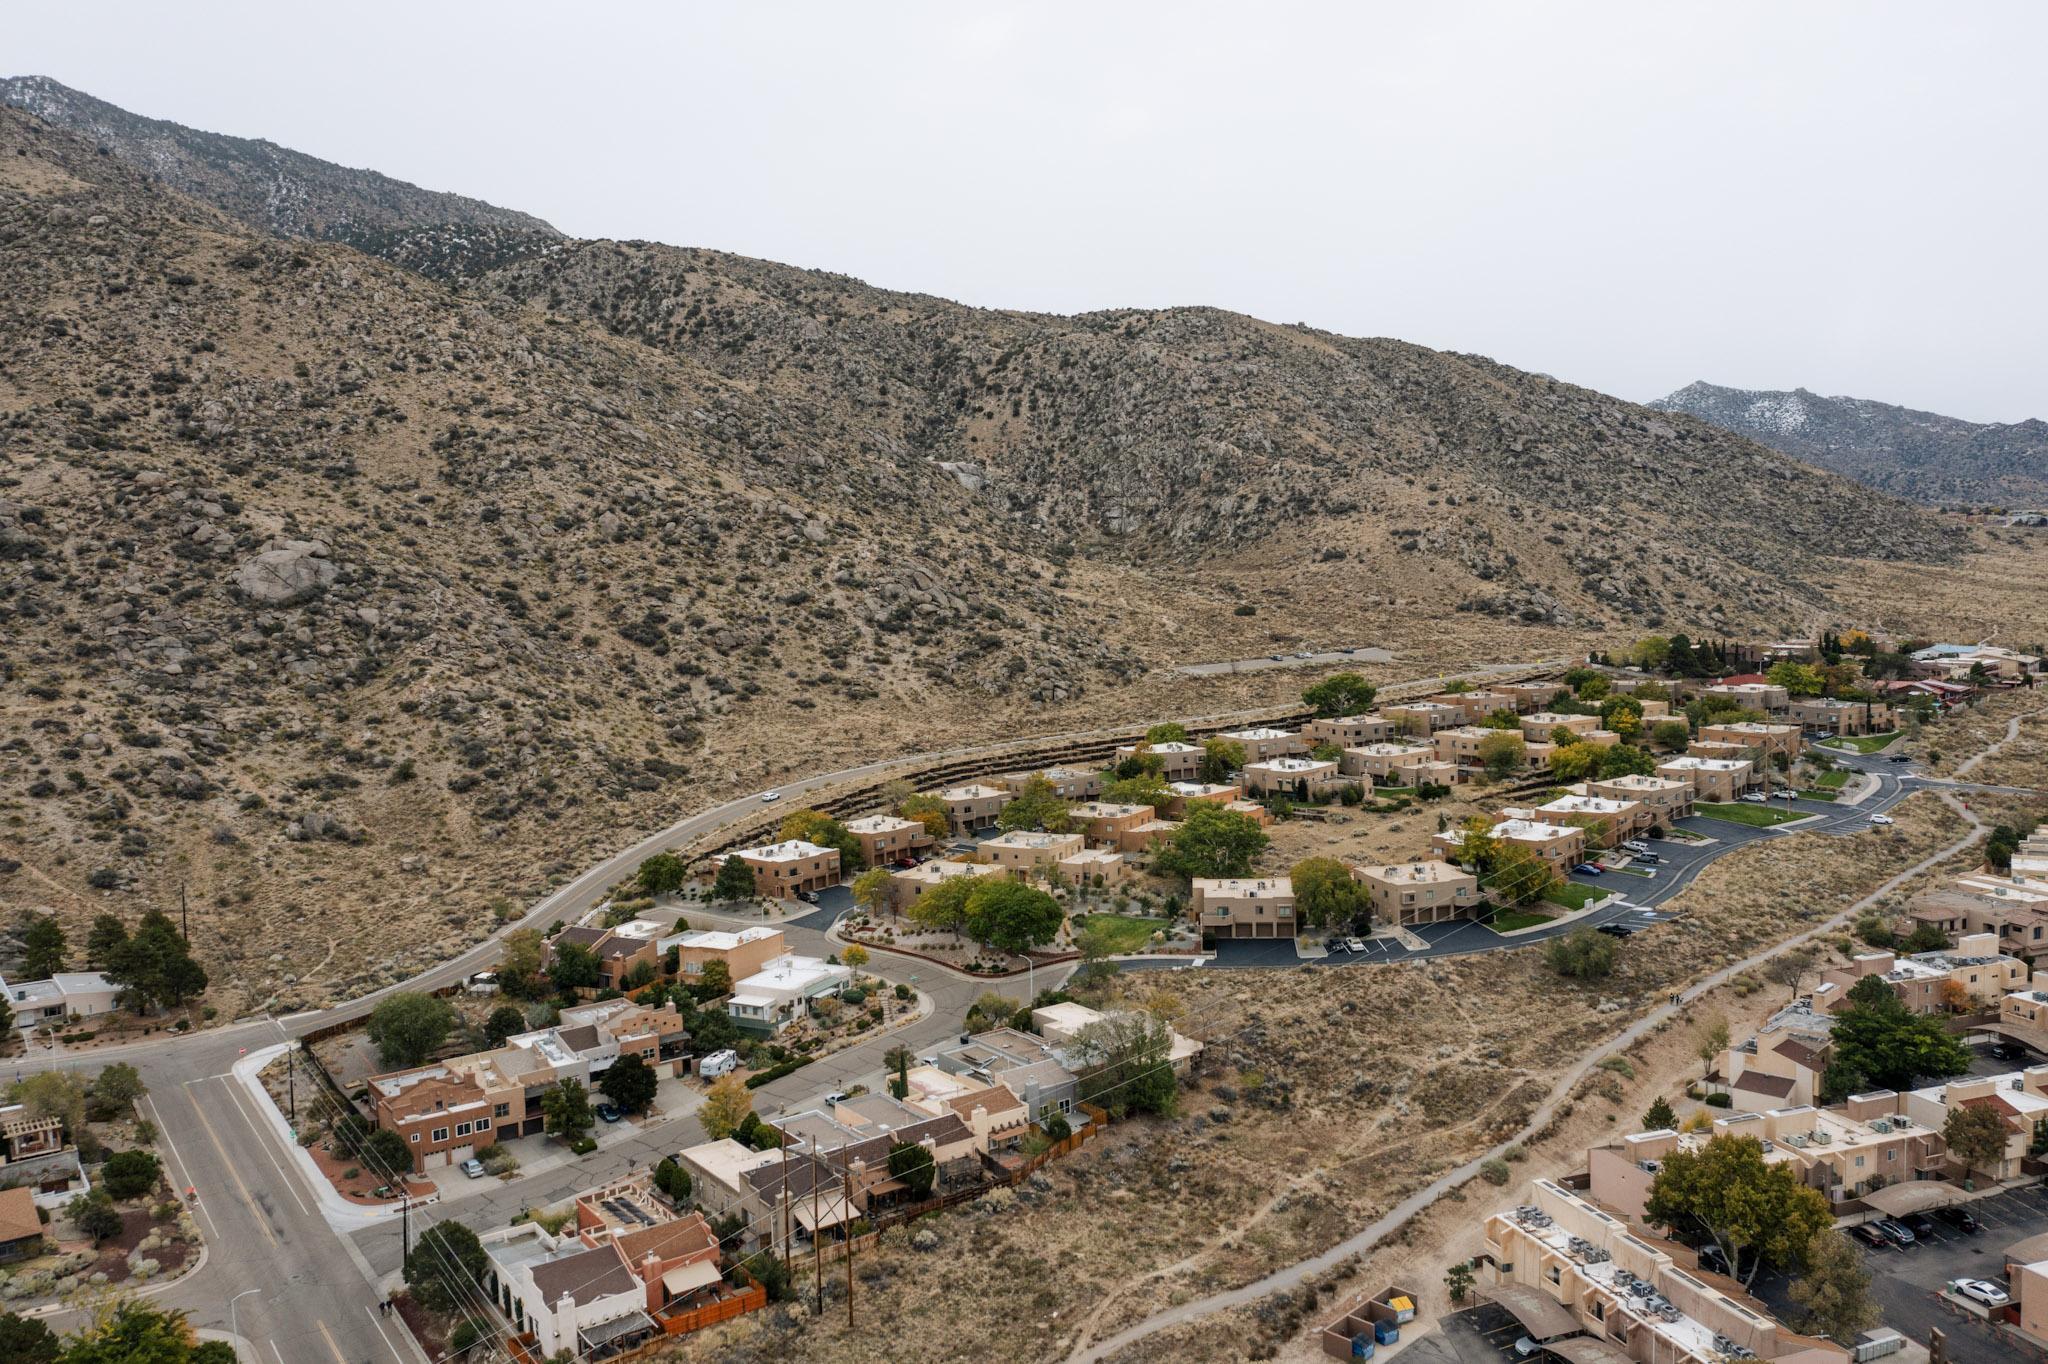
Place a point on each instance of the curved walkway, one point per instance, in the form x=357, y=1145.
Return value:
x=1293, y=1275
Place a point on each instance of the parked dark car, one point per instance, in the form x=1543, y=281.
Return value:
x=1900, y=758
x=1959, y=1218
x=2008, y=1051
x=1869, y=1235
x=609, y=1113
x=1919, y=1223
x=1617, y=930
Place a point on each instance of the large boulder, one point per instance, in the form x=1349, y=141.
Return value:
x=291, y=571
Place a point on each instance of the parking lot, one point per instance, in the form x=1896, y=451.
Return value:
x=1907, y=1282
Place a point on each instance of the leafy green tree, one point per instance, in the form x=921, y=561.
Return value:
x=1037, y=806
x=630, y=1083
x=727, y=1104
x=129, y=1174
x=735, y=880
x=1623, y=715
x=1147, y=788
x=1502, y=754
x=1220, y=758
x=104, y=941
x=505, y=1021
x=1976, y=1135
x=873, y=890
x=662, y=874
x=1011, y=916
x=1517, y=876
x=42, y=946
x=1212, y=842
x=519, y=967
x=1625, y=760
x=1880, y=1044
x=24, y=1340
x=131, y=1331
x=1582, y=954
x=815, y=826
x=408, y=1027
x=673, y=1180
x=575, y=967
x=944, y=906
x=1660, y=1118
x=929, y=811
x=1326, y=895
x=1574, y=761
x=565, y=1110
x=1340, y=694
x=1834, y=1290
x=1672, y=736
x=1756, y=1213
x=384, y=1151
x=1171, y=732
x=116, y=1088
x=1126, y=1064
x=155, y=966
x=95, y=1215
x=1798, y=679
x=912, y=1164
x=714, y=978
x=53, y=1094
x=1925, y=937
x=446, y=1266
x=989, y=1010
x=1650, y=653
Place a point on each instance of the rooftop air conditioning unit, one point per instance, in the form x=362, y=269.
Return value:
x=1880, y=1125
x=1649, y=1166
x=1823, y=1139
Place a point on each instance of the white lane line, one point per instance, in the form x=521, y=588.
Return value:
x=274, y=1350
x=186, y=1178
x=263, y=1143
x=395, y=1353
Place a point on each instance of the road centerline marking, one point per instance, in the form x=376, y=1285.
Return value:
x=255, y=1209
x=263, y=1141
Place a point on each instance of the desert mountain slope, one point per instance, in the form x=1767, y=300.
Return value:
x=272, y=187
x=1921, y=456
x=356, y=599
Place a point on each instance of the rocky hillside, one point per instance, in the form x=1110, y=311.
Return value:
x=362, y=594
x=261, y=183
x=1922, y=456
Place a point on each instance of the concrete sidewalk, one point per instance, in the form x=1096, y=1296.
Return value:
x=340, y=1214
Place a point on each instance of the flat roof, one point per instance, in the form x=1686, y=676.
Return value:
x=1249, y=887
x=789, y=850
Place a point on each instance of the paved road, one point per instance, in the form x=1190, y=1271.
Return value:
x=1359, y=654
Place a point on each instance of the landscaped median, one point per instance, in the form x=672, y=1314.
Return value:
x=1861, y=743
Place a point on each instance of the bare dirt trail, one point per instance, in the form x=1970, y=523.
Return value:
x=1372, y=1235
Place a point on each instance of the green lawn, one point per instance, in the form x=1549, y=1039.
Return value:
x=1761, y=816
x=1863, y=743
x=1508, y=920
x=1572, y=895
x=1832, y=781
x=1125, y=933
x=1818, y=794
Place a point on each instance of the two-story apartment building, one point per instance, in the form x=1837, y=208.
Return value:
x=1474, y=706
x=1562, y=846
x=1543, y=724
x=1972, y=973
x=1245, y=907
x=1186, y=793
x=1666, y=799
x=1105, y=823
x=1532, y=696
x=905, y=887
x=1025, y=853
x=1766, y=697
x=1348, y=731
x=1267, y=742
x=1716, y=780
x=1460, y=746
x=1847, y=719
x=1178, y=760
x=790, y=867
x=1425, y=892
x=1759, y=736
x=743, y=952
x=886, y=839
x=1294, y=778
x=1068, y=783
x=1378, y=761
x=781, y=992
x=1420, y=719
x=973, y=807
x=1592, y=1290
x=1607, y=821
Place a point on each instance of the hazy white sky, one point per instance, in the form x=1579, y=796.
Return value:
x=1848, y=197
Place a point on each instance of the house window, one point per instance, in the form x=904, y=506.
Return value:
x=415, y=1138
x=1555, y=1276
x=462, y=1129
x=502, y=1111
x=441, y=1134
x=483, y=1124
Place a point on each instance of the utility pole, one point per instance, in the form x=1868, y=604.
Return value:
x=184, y=916
x=291, y=1085
x=849, y=1274
x=817, y=1232
x=782, y=1143
x=404, y=1216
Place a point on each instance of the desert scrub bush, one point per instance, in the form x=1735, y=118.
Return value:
x=1494, y=1170
x=1620, y=1065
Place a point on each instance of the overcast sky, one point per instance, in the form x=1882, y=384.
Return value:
x=1845, y=197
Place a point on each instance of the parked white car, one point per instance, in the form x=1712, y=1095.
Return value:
x=1982, y=1290
x=473, y=1168
x=1753, y=797
x=1881, y=819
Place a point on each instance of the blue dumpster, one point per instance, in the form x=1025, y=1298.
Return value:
x=1362, y=1347
x=1386, y=1332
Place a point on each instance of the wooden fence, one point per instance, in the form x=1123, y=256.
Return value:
x=749, y=1299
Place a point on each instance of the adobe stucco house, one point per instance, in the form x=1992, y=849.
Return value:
x=1425, y=892
x=790, y=867
x=1245, y=907
x=1712, y=779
